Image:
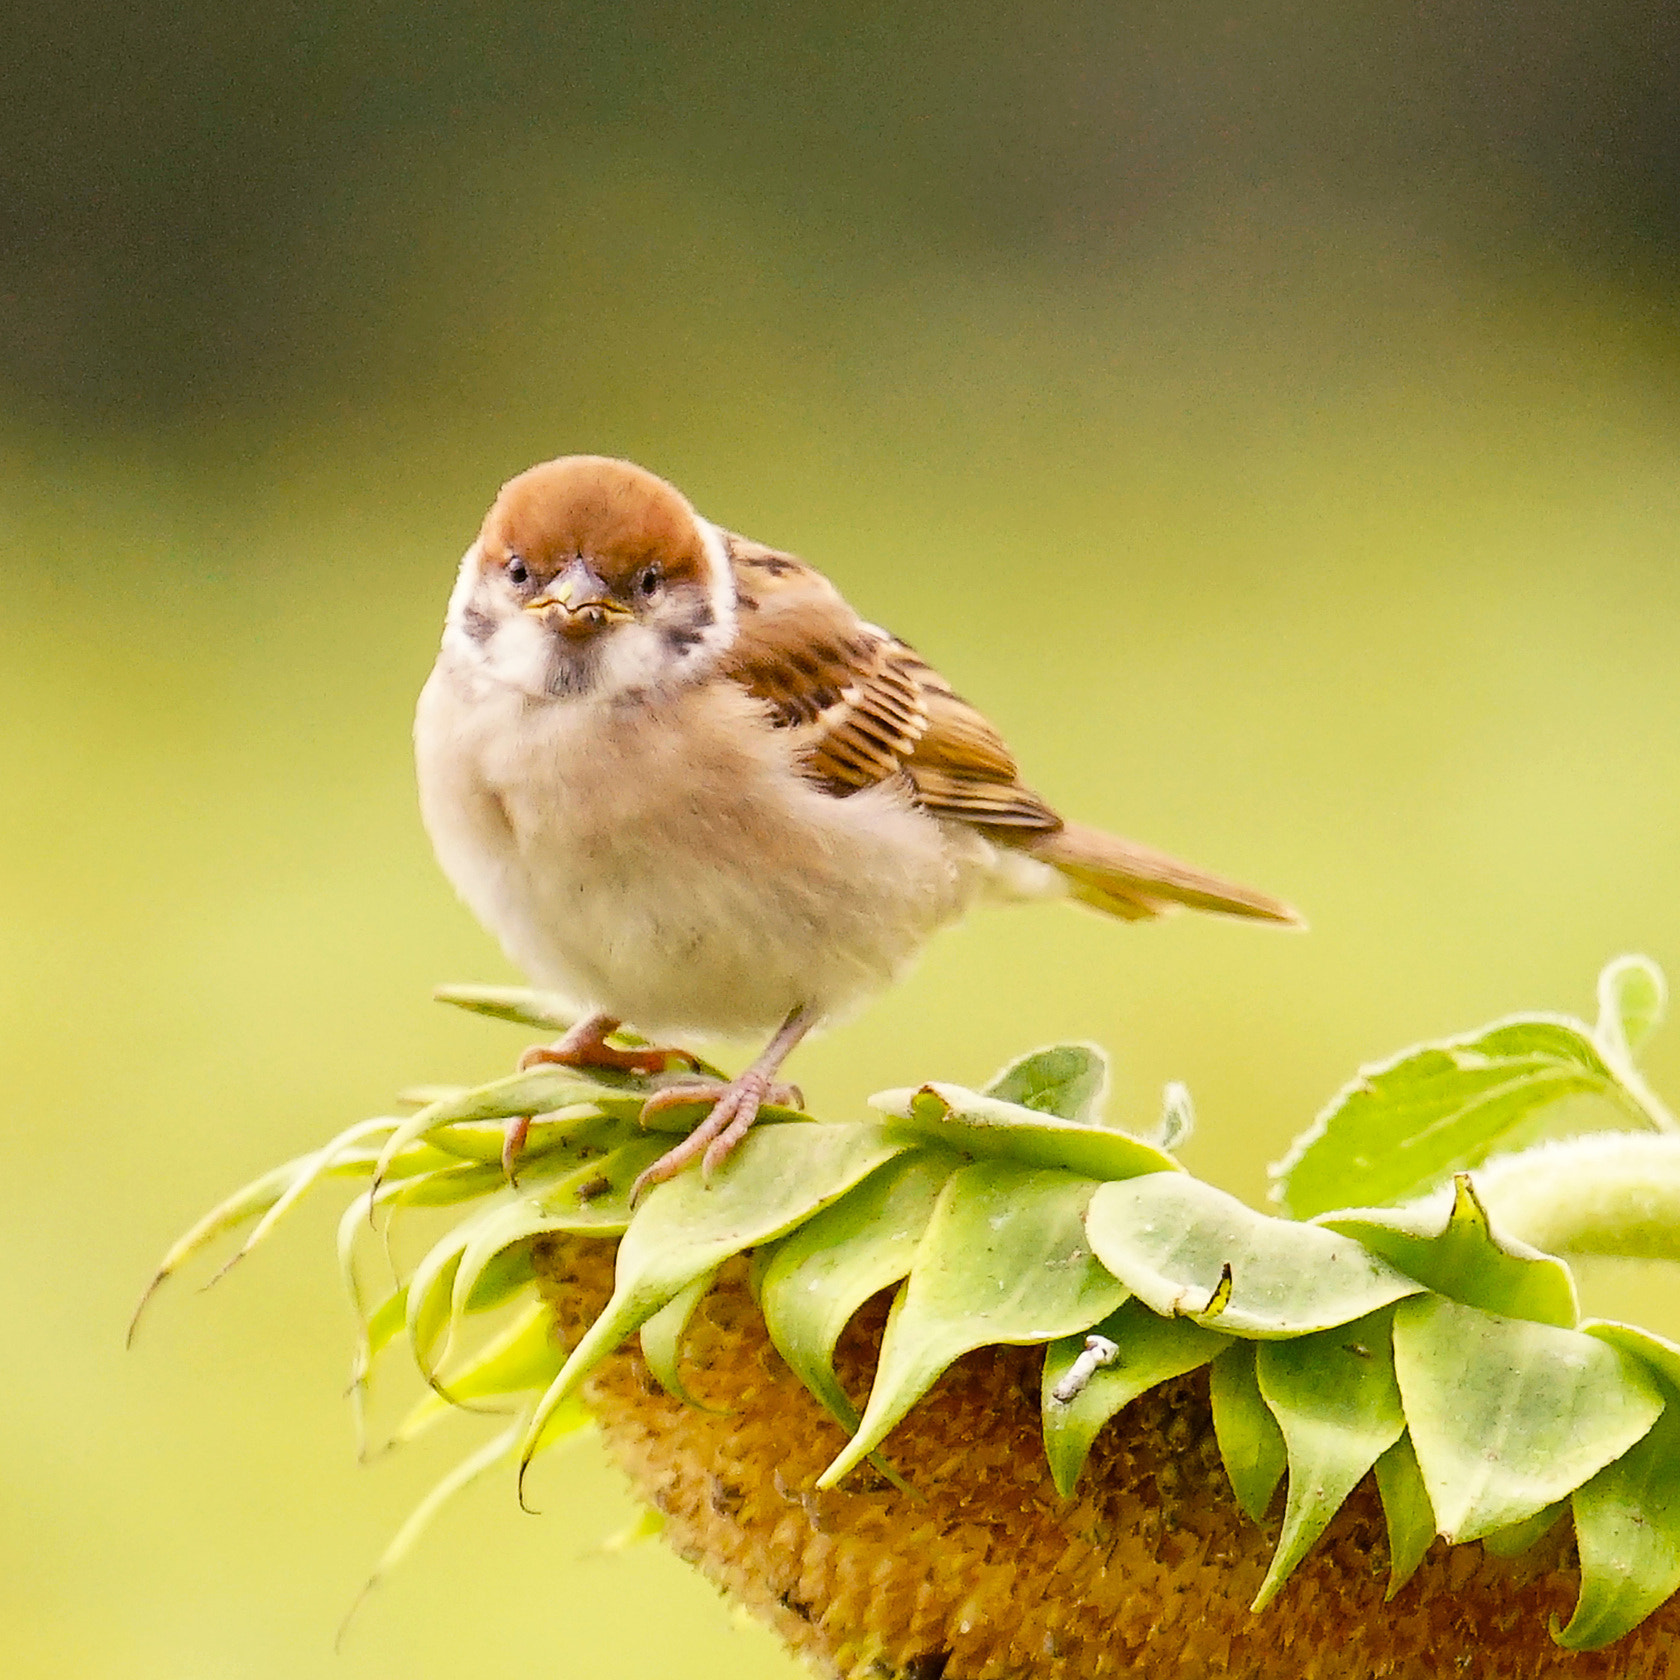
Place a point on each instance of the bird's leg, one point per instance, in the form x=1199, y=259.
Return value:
x=735, y=1106
x=583, y=1046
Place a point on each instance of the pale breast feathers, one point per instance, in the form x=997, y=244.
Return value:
x=864, y=708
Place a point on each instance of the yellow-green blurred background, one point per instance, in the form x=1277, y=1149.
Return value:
x=1268, y=412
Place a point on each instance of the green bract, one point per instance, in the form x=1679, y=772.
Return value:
x=1406, y=1323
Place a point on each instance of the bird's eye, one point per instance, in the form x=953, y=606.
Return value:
x=518, y=571
x=648, y=582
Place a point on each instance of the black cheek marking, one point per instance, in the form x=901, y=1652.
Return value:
x=479, y=626
x=680, y=640
x=746, y=603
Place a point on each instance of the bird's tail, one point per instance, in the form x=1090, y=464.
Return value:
x=1136, y=882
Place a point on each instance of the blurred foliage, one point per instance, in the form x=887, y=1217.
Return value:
x=1269, y=415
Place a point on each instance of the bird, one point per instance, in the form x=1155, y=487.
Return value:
x=689, y=788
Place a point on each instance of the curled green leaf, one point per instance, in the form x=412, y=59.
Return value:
x=1627, y=1518
x=1508, y=1416
x=1250, y=1442
x=1632, y=996
x=777, y=1178
x=1407, y=1513
x=1460, y=1256
x=1336, y=1401
x=662, y=1337
x=1065, y=1081
x=1004, y=1259
x=1149, y=1350
x=818, y=1275
x=1188, y=1250
x=984, y=1126
x=1403, y=1125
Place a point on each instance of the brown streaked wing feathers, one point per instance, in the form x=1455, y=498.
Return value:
x=864, y=706
x=864, y=709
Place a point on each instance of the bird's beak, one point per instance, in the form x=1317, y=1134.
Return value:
x=578, y=602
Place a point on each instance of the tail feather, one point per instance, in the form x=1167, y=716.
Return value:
x=1136, y=882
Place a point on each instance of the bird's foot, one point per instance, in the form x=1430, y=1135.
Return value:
x=584, y=1046
x=593, y=1051
x=735, y=1105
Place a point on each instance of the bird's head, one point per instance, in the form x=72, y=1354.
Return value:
x=593, y=577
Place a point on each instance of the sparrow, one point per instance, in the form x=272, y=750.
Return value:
x=689, y=788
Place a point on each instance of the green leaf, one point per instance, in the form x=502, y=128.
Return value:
x=1250, y=1442
x=1188, y=1250
x=1065, y=1081
x=1335, y=1399
x=1632, y=996
x=662, y=1338
x=508, y=1271
x=430, y=1291
x=983, y=1126
x=1627, y=1518
x=523, y=1356
x=1461, y=1257
x=1403, y=1125
x=1151, y=1351
x=539, y=1090
x=1409, y=1516
x=818, y=1276
x=1509, y=1416
x=1514, y=1541
x=1178, y=1117
x=1004, y=1260
x=545, y=1011
x=591, y=1197
x=685, y=1227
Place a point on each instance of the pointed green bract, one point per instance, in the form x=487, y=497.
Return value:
x=1250, y=1442
x=1336, y=1401
x=1151, y=1350
x=983, y=1126
x=591, y=1196
x=1460, y=1256
x=519, y=1004
x=430, y=1291
x=818, y=1276
x=1627, y=1518
x=1065, y=1081
x=538, y=1090
x=685, y=1227
x=1176, y=1243
x=1004, y=1260
x=524, y=1356
x=1407, y=1513
x=1509, y=1416
x=662, y=1337
x=1403, y=1125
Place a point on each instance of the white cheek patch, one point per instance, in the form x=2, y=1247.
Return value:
x=634, y=657
x=521, y=654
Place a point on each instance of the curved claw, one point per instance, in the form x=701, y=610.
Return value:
x=735, y=1107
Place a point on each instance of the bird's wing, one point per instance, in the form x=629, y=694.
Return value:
x=864, y=708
